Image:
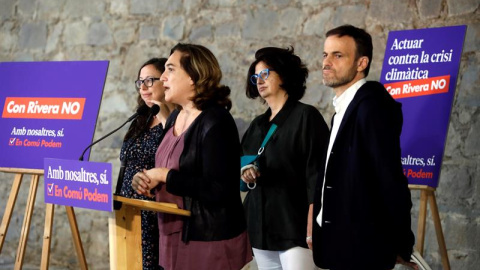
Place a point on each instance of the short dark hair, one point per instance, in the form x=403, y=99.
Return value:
x=289, y=67
x=141, y=121
x=363, y=41
x=203, y=68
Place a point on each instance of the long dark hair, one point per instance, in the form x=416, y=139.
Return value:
x=140, y=123
x=203, y=68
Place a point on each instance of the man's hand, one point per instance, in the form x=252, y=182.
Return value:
x=413, y=265
x=309, y=226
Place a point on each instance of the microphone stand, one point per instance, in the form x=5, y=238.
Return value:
x=140, y=111
x=116, y=204
x=110, y=133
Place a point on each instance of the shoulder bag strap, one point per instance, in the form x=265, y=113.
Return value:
x=270, y=132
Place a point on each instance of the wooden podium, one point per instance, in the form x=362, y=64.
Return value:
x=127, y=240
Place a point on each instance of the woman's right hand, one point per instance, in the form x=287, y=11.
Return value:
x=141, y=183
x=250, y=175
x=144, y=181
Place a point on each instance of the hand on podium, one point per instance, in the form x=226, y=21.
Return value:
x=146, y=180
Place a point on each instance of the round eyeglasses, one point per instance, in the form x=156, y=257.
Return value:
x=263, y=74
x=148, y=82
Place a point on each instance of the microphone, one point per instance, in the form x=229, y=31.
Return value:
x=153, y=111
x=142, y=110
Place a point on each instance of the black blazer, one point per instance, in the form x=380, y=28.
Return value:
x=366, y=215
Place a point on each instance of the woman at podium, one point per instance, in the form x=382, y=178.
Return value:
x=139, y=146
x=196, y=167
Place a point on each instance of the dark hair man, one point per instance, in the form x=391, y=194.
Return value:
x=362, y=203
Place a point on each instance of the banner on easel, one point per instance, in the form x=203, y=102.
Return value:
x=49, y=109
x=420, y=70
x=78, y=183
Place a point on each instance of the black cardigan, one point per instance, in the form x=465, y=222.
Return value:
x=208, y=177
x=277, y=208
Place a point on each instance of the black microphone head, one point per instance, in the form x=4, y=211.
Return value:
x=154, y=109
x=143, y=110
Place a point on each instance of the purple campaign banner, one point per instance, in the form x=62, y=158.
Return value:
x=49, y=109
x=78, y=183
x=420, y=71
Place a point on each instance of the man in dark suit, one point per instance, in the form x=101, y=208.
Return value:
x=362, y=203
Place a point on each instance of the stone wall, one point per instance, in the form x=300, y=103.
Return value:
x=128, y=32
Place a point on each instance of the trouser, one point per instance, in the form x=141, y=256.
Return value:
x=296, y=258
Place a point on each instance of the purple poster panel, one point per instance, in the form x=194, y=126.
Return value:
x=49, y=109
x=78, y=183
x=420, y=70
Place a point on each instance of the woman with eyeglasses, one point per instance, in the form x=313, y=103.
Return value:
x=139, y=146
x=197, y=168
x=282, y=181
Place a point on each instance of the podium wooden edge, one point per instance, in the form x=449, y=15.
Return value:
x=169, y=208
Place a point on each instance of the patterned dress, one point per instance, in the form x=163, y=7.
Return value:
x=140, y=154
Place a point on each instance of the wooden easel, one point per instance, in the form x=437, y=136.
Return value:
x=428, y=194
x=128, y=230
x=47, y=235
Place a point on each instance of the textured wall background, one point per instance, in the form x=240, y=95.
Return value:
x=128, y=32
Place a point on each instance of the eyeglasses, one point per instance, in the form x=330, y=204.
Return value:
x=148, y=82
x=262, y=75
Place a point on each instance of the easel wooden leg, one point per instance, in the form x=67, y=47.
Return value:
x=422, y=217
x=76, y=238
x=428, y=194
x=9, y=208
x=438, y=229
x=28, y=217
x=47, y=236
x=26, y=221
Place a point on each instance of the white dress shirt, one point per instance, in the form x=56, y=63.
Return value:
x=341, y=104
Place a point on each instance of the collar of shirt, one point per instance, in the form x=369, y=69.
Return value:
x=281, y=116
x=341, y=103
